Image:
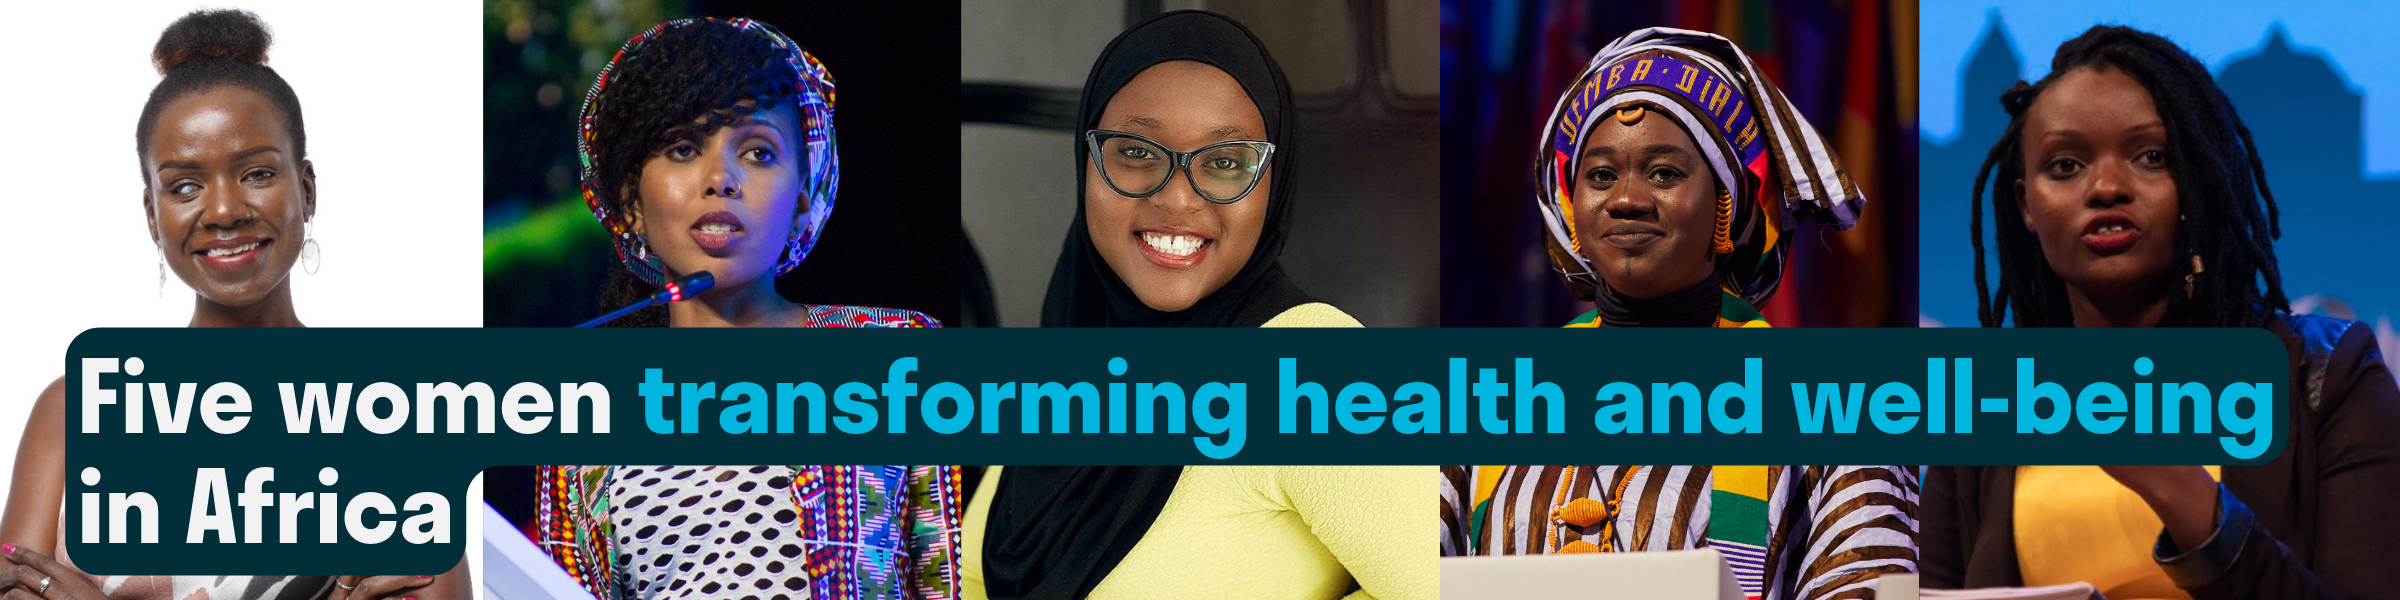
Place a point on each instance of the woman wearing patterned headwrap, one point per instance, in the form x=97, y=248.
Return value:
x=708, y=145
x=1671, y=174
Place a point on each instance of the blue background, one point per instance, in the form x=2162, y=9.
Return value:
x=2318, y=85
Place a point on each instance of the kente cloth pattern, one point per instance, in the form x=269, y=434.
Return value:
x=1813, y=532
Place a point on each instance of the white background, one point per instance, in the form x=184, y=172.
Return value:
x=392, y=94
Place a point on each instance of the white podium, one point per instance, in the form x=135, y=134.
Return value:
x=1677, y=575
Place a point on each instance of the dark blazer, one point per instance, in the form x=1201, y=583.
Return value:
x=2320, y=520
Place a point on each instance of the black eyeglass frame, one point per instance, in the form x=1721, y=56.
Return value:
x=1178, y=160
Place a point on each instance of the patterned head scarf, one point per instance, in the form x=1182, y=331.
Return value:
x=663, y=52
x=1775, y=166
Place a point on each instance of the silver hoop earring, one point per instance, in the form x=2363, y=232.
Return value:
x=162, y=272
x=309, y=257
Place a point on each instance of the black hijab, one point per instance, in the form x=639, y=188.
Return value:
x=1054, y=532
x=1084, y=292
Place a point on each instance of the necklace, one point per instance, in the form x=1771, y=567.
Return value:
x=1584, y=512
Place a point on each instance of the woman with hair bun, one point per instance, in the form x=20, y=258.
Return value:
x=229, y=193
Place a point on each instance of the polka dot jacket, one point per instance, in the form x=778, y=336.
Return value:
x=757, y=532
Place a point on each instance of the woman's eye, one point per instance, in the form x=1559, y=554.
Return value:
x=184, y=188
x=1665, y=176
x=1136, y=153
x=1225, y=164
x=682, y=152
x=258, y=176
x=1601, y=178
x=760, y=155
x=2063, y=167
x=2153, y=158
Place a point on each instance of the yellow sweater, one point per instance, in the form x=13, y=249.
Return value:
x=1302, y=533
x=1313, y=314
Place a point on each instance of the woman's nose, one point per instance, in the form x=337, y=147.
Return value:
x=726, y=182
x=225, y=206
x=2109, y=185
x=1178, y=196
x=1624, y=203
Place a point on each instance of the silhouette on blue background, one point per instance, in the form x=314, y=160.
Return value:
x=2336, y=255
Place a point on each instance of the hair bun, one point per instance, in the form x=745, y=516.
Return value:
x=230, y=34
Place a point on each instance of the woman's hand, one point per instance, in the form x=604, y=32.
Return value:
x=2184, y=497
x=355, y=587
x=37, y=577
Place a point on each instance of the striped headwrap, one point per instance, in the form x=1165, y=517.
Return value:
x=1778, y=170
x=813, y=93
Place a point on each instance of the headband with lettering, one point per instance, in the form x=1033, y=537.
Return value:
x=1776, y=167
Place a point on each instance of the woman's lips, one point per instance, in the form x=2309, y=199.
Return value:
x=230, y=254
x=716, y=231
x=2110, y=233
x=1173, y=249
x=1632, y=235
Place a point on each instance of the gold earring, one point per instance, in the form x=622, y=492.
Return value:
x=1724, y=222
x=2188, y=278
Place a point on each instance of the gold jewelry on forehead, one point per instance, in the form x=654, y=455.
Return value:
x=1630, y=114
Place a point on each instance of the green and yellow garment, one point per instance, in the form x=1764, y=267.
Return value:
x=1813, y=532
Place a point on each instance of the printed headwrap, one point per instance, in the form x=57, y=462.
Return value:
x=1779, y=171
x=814, y=96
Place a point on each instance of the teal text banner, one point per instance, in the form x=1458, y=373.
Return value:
x=348, y=450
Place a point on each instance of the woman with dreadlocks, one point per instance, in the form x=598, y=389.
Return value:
x=2127, y=193
x=708, y=146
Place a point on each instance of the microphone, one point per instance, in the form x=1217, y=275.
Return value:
x=676, y=291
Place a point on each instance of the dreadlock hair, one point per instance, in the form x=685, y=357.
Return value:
x=208, y=50
x=2215, y=166
x=682, y=84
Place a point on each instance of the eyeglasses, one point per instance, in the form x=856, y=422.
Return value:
x=1137, y=167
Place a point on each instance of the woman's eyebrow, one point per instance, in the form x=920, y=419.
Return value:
x=1145, y=122
x=1227, y=132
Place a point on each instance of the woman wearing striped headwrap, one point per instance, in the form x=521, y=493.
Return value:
x=1811, y=532
x=1670, y=175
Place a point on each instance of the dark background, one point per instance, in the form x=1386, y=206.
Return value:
x=1848, y=68
x=893, y=238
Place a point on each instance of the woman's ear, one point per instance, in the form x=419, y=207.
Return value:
x=2018, y=194
x=308, y=188
x=150, y=214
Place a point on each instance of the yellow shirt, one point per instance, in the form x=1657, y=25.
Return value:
x=1300, y=533
x=1313, y=314
x=2078, y=524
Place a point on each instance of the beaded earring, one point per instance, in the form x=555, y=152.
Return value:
x=1724, y=222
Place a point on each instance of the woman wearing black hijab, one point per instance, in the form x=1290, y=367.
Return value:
x=1188, y=179
x=1187, y=191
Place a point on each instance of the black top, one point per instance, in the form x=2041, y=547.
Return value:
x=2320, y=520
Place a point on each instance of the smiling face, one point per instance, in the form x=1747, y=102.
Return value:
x=228, y=199
x=2097, y=190
x=1175, y=247
x=1645, y=206
x=725, y=203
